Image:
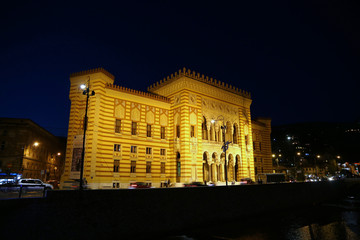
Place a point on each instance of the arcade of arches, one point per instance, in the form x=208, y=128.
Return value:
x=214, y=167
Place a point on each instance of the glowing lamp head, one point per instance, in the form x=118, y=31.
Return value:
x=83, y=86
x=213, y=121
x=36, y=144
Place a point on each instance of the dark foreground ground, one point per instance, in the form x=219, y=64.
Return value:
x=330, y=221
x=284, y=211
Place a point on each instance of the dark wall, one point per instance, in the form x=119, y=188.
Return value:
x=128, y=213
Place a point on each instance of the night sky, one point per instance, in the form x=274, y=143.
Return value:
x=300, y=61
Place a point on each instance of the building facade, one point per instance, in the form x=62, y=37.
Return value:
x=174, y=132
x=29, y=150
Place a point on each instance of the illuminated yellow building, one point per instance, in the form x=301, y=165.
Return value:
x=175, y=131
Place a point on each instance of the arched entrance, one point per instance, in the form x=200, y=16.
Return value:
x=206, y=167
x=231, y=168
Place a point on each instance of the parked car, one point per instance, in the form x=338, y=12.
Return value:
x=246, y=181
x=34, y=182
x=135, y=185
x=195, y=184
x=54, y=183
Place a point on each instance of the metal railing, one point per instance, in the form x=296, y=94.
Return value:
x=13, y=191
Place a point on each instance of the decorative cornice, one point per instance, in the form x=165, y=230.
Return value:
x=196, y=76
x=136, y=92
x=95, y=70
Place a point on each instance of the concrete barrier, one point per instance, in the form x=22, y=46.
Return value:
x=130, y=213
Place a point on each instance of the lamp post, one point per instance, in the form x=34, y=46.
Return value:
x=225, y=144
x=86, y=92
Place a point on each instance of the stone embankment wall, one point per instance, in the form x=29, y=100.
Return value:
x=130, y=213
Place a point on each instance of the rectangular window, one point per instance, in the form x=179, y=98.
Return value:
x=260, y=146
x=163, y=152
x=254, y=147
x=148, y=130
x=148, y=167
x=117, y=125
x=192, y=131
x=117, y=147
x=133, y=149
x=254, y=159
x=116, y=165
x=148, y=150
x=162, y=132
x=162, y=169
x=133, y=167
x=133, y=128
x=178, y=131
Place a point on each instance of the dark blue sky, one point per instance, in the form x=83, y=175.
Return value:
x=300, y=61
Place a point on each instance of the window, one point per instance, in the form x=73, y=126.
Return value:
x=117, y=147
x=133, y=128
x=254, y=146
x=178, y=168
x=192, y=131
x=133, y=167
x=148, y=130
x=133, y=149
x=254, y=159
x=260, y=146
x=178, y=131
x=116, y=165
x=117, y=125
x=162, y=132
x=148, y=150
x=162, y=168
x=148, y=167
x=163, y=152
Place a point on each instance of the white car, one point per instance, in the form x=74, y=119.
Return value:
x=34, y=182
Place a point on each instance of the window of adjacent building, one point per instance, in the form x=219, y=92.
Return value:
x=162, y=168
x=254, y=159
x=163, y=152
x=133, y=128
x=117, y=125
x=260, y=146
x=178, y=131
x=162, y=133
x=116, y=165
x=148, y=150
x=148, y=167
x=133, y=149
x=117, y=147
x=133, y=167
x=254, y=147
x=148, y=130
x=192, y=131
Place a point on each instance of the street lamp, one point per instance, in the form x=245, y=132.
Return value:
x=86, y=92
x=225, y=144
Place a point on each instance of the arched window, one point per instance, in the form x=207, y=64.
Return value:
x=235, y=134
x=204, y=129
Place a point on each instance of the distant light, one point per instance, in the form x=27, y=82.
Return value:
x=58, y=154
x=338, y=157
x=82, y=86
x=288, y=138
x=306, y=154
x=36, y=144
x=213, y=121
x=298, y=154
x=273, y=155
x=318, y=156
